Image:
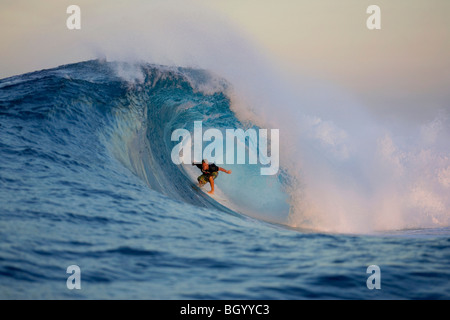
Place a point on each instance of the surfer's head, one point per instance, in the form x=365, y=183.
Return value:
x=205, y=164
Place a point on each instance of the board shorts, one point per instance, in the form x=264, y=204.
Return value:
x=204, y=178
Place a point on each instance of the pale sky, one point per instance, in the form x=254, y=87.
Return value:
x=328, y=39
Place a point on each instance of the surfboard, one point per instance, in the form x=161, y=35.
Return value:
x=214, y=196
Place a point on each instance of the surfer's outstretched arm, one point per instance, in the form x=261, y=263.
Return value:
x=224, y=170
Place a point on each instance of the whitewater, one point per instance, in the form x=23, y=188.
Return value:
x=87, y=179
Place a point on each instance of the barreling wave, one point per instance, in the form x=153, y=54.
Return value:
x=338, y=173
x=129, y=111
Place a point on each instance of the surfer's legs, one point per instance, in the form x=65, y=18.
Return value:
x=202, y=180
x=201, y=184
x=211, y=182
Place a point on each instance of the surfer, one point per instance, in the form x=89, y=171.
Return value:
x=209, y=173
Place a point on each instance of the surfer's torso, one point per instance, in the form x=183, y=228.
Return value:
x=211, y=168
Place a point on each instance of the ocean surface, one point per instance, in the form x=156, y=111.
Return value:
x=86, y=179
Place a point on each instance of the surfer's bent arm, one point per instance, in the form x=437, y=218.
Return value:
x=198, y=165
x=224, y=170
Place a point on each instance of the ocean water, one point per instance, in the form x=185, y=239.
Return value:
x=86, y=179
